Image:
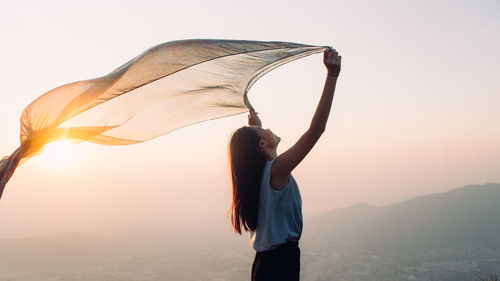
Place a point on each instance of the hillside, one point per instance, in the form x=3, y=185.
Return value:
x=448, y=236
x=461, y=218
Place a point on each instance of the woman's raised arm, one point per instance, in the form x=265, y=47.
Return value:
x=288, y=160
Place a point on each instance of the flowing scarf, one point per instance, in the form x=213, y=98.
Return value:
x=169, y=86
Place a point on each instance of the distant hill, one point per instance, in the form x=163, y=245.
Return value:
x=355, y=243
x=463, y=218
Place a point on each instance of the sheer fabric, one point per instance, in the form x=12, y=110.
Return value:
x=169, y=86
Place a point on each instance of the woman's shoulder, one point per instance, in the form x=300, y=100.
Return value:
x=275, y=182
x=266, y=172
x=267, y=178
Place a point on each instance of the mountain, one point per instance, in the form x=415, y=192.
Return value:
x=448, y=236
x=466, y=217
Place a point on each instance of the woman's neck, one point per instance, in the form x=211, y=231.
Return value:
x=269, y=154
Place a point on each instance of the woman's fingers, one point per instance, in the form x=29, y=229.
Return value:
x=334, y=56
x=330, y=55
x=326, y=53
x=332, y=60
x=252, y=114
x=253, y=119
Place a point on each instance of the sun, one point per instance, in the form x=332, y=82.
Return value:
x=59, y=153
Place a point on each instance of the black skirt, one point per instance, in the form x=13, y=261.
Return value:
x=281, y=263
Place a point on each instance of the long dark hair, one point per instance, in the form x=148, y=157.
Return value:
x=247, y=164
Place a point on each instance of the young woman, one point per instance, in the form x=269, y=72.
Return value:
x=266, y=198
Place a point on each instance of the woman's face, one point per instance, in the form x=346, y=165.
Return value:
x=271, y=140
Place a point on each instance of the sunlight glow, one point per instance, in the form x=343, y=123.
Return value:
x=59, y=153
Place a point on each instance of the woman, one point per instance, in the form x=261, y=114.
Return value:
x=266, y=198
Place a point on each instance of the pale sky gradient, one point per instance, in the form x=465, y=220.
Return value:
x=416, y=110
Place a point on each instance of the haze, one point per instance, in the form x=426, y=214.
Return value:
x=416, y=109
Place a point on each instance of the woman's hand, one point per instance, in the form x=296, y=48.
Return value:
x=253, y=119
x=332, y=61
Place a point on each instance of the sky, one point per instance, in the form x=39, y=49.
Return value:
x=416, y=110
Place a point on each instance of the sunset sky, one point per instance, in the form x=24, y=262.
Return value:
x=416, y=111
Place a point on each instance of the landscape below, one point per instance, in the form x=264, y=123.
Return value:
x=446, y=236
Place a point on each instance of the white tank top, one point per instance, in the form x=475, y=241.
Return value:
x=280, y=214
